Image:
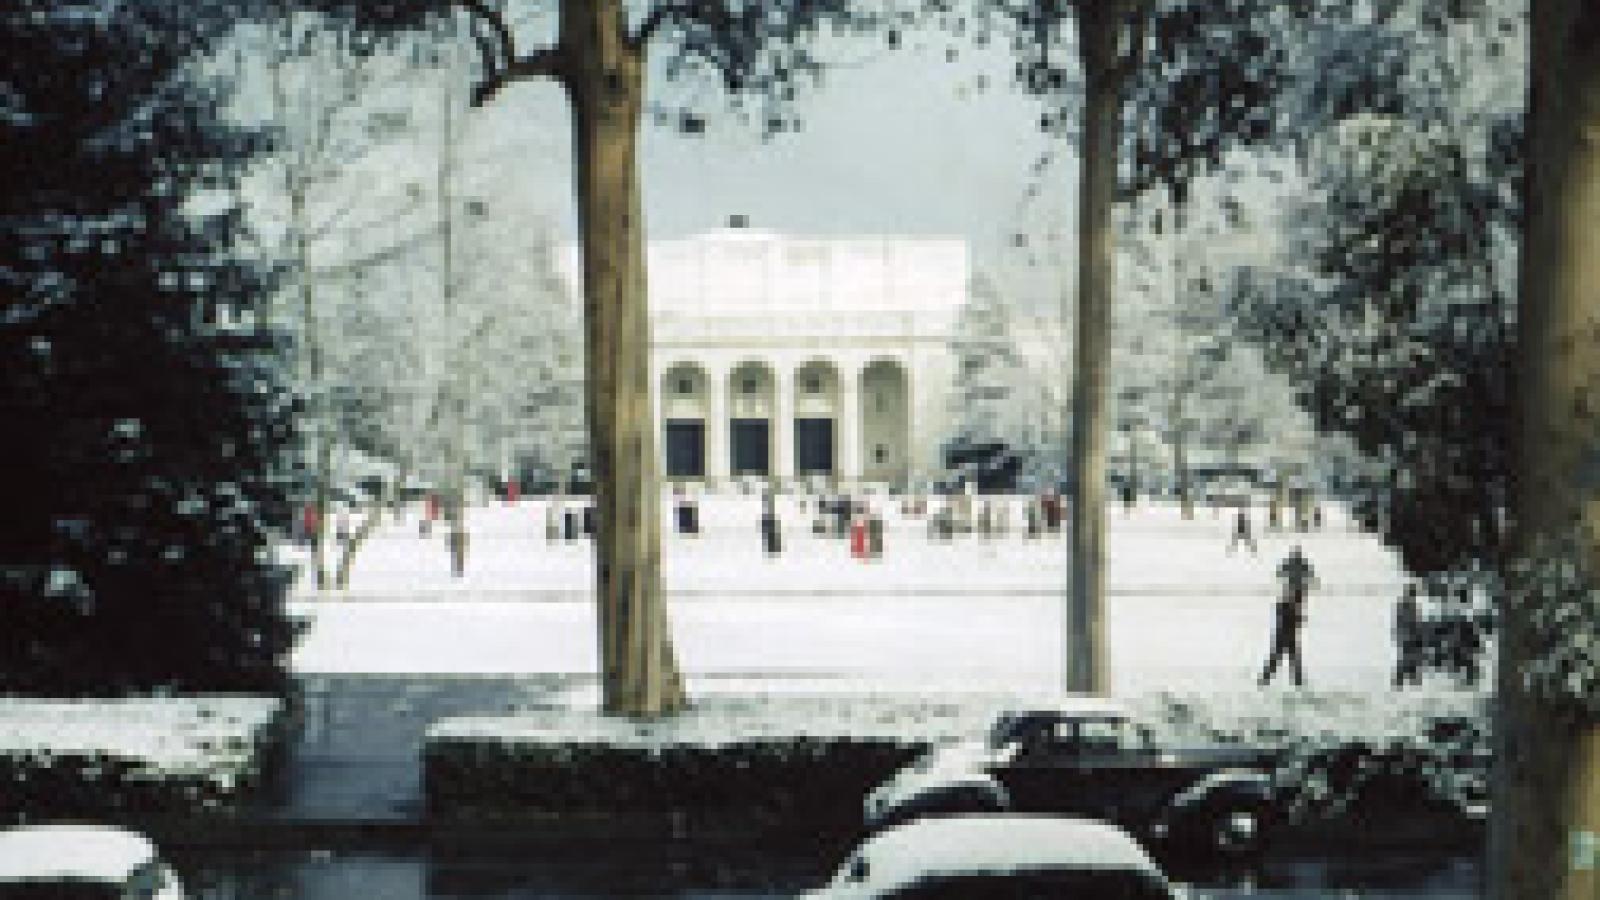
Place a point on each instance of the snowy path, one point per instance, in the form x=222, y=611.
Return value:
x=974, y=614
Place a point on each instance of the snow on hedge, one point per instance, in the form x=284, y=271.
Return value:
x=809, y=754
x=719, y=720
x=214, y=739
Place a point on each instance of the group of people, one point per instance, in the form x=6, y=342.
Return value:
x=1307, y=517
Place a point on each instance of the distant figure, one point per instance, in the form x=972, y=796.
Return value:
x=1298, y=578
x=310, y=523
x=771, y=537
x=686, y=515
x=430, y=512
x=1052, y=512
x=552, y=520
x=1408, y=639
x=1460, y=636
x=1242, y=533
x=874, y=535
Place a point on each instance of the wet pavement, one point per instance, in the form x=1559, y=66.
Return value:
x=357, y=758
x=678, y=872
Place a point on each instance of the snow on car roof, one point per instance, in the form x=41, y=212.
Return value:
x=83, y=852
x=1076, y=705
x=992, y=844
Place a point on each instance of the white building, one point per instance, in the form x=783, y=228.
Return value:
x=802, y=359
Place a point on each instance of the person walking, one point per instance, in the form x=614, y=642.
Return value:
x=771, y=536
x=1242, y=533
x=1408, y=639
x=1297, y=577
x=552, y=519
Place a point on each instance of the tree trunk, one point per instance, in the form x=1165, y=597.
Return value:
x=320, y=442
x=455, y=399
x=605, y=85
x=1547, y=792
x=1180, y=447
x=1099, y=24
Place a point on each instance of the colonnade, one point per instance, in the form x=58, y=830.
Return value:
x=819, y=419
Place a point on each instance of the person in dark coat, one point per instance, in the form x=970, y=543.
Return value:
x=1241, y=532
x=771, y=537
x=1289, y=616
x=1408, y=639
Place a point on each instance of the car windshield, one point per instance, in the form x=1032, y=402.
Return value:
x=1004, y=730
x=60, y=890
x=1098, y=733
x=1109, y=735
x=1102, y=885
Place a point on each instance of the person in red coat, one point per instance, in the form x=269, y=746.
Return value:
x=310, y=522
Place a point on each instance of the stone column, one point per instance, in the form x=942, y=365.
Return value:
x=717, y=461
x=849, y=462
x=783, y=428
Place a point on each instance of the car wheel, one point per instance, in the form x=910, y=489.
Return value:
x=1238, y=831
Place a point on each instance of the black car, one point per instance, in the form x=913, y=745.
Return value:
x=1090, y=758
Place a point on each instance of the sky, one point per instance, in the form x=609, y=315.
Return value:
x=892, y=142
x=930, y=139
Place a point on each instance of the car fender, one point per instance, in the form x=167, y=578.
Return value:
x=1214, y=791
x=1227, y=784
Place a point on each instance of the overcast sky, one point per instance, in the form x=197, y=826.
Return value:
x=893, y=142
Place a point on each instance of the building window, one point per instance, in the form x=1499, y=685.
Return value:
x=813, y=384
x=748, y=386
x=880, y=454
x=685, y=386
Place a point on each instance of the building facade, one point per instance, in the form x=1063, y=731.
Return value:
x=802, y=360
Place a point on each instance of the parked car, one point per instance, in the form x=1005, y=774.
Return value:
x=83, y=862
x=1088, y=757
x=999, y=857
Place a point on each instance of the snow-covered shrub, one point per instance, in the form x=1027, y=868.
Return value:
x=1551, y=592
x=161, y=755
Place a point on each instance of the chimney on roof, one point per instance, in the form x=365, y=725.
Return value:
x=738, y=220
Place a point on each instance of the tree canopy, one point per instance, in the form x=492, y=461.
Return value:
x=145, y=421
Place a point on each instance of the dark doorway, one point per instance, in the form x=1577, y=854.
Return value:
x=813, y=446
x=686, y=448
x=748, y=446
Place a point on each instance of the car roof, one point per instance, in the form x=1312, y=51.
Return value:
x=78, y=852
x=1075, y=706
x=998, y=843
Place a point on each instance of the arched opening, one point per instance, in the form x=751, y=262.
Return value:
x=885, y=423
x=816, y=415
x=751, y=396
x=685, y=408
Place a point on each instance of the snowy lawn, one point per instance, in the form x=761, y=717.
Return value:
x=208, y=749
x=1154, y=548
x=973, y=614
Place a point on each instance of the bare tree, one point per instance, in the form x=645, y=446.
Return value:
x=307, y=199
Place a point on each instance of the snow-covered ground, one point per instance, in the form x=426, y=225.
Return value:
x=972, y=614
